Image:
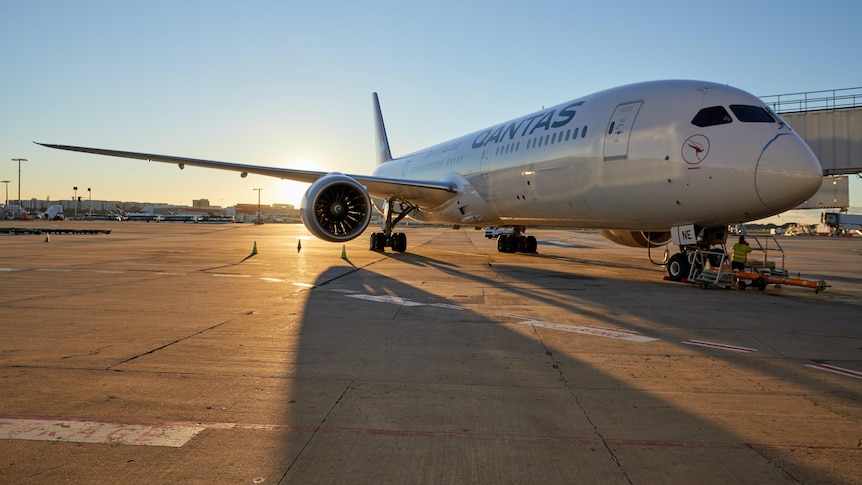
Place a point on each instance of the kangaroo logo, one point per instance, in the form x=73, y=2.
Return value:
x=695, y=149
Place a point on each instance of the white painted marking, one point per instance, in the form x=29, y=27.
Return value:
x=559, y=243
x=231, y=275
x=594, y=331
x=96, y=432
x=732, y=348
x=446, y=305
x=273, y=280
x=836, y=370
x=303, y=285
x=53, y=270
x=394, y=300
x=9, y=269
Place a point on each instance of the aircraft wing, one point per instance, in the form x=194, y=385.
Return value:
x=418, y=192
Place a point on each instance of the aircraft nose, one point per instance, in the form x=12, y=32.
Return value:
x=788, y=173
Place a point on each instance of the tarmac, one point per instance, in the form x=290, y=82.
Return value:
x=238, y=353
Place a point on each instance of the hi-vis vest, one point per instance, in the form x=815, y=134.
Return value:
x=740, y=252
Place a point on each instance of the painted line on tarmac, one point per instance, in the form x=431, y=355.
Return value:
x=835, y=369
x=594, y=331
x=178, y=433
x=83, y=431
x=97, y=271
x=393, y=300
x=714, y=345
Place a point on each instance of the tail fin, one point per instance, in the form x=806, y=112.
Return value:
x=383, y=153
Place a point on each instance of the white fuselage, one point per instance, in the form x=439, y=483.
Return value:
x=624, y=158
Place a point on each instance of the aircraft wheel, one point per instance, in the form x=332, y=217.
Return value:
x=715, y=259
x=507, y=243
x=677, y=267
x=399, y=242
x=511, y=244
x=378, y=241
x=531, y=244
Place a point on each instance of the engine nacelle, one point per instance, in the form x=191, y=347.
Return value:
x=637, y=239
x=336, y=208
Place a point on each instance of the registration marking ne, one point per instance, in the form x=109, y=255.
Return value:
x=34, y=429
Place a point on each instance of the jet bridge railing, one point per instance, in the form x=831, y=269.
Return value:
x=815, y=100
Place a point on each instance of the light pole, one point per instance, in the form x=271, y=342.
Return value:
x=18, y=209
x=7, y=190
x=90, y=208
x=258, y=205
x=75, y=199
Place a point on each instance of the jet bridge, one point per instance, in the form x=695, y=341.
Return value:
x=831, y=123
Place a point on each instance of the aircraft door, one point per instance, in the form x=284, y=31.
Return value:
x=484, y=163
x=619, y=130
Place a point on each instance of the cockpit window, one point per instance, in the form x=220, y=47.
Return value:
x=751, y=114
x=715, y=115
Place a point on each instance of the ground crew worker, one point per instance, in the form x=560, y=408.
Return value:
x=740, y=254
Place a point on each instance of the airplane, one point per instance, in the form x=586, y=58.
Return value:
x=646, y=164
x=9, y=212
x=174, y=216
x=53, y=213
x=137, y=216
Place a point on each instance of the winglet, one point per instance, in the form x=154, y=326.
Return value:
x=383, y=153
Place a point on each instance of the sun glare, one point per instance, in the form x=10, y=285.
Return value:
x=290, y=192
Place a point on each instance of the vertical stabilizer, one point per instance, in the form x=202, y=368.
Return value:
x=383, y=152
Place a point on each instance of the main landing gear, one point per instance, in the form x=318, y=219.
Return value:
x=393, y=212
x=516, y=242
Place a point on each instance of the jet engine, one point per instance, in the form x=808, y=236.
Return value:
x=637, y=239
x=336, y=208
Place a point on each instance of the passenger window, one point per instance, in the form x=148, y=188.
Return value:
x=715, y=115
x=751, y=114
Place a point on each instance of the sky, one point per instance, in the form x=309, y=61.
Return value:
x=288, y=84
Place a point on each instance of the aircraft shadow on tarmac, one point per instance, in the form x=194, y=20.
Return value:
x=414, y=391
